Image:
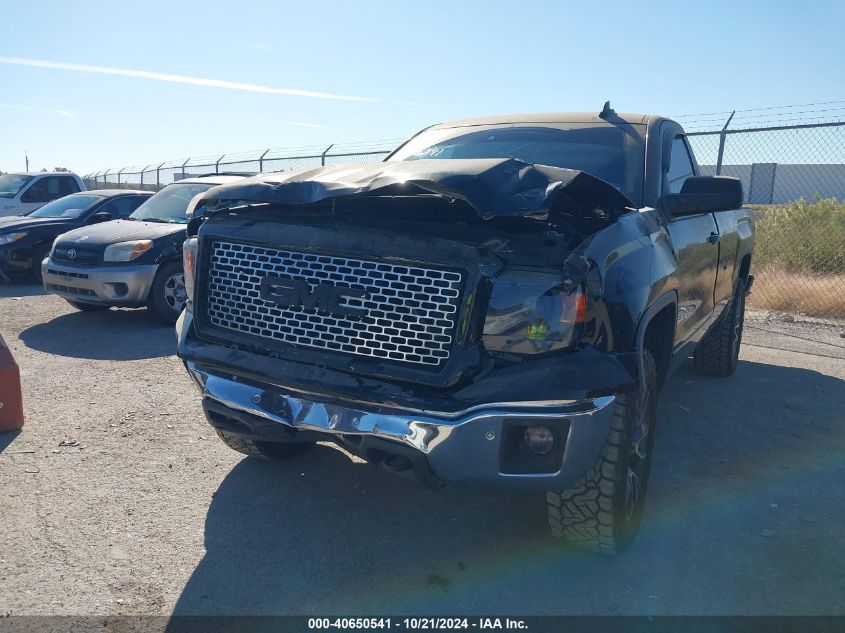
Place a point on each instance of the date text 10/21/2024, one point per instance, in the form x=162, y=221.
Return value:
x=417, y=623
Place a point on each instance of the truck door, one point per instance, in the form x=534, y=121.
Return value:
x=694, y=240
x=42, y=190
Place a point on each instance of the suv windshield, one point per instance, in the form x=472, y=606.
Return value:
x=11, y=184
x=67, y=207
x=170, y=204
x=610, y=152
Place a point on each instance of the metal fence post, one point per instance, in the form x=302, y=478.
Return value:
x=722, y=136
x=143, y=171
x=217, y=164
x=261, y=160
x=183, y=166
x=323, y=155
x=158, y=177
x=106, y=179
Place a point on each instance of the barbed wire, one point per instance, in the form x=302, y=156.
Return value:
x=269, y=154
x=764, y=116
x=763, y=125
x=694, y=123
x=794, y=105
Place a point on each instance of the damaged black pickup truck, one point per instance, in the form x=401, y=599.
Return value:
x=498, y=303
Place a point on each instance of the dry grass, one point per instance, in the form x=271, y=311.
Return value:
x=799, y=258
x=799, y=293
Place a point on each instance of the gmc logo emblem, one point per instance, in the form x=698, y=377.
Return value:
x=299, y=294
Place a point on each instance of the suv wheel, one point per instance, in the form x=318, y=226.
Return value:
x=270, y=451
x=717, y=353
x=603, y=512
x=167, y=294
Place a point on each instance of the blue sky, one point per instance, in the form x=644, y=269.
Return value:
x=409, y=64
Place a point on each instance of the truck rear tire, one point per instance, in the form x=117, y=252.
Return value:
x=269, y=451
x=717, y=353
x=603, y=512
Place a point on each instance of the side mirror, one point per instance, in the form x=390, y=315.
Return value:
x=704, y=194
x=100, y=216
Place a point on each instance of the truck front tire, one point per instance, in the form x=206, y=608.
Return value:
x=603, y=512
x=269, y=451
x=718, y=352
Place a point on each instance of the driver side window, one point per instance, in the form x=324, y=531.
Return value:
x=120, y=207
x=680, y=166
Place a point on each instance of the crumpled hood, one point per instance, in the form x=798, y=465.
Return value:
x=120, y=231
x=493, y=187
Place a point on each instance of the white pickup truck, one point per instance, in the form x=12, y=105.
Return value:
x=23, y=192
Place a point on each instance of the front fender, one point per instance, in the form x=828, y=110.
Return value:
x=639, y=276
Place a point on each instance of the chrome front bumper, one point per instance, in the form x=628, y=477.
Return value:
x=111, y=285
x=459, y=447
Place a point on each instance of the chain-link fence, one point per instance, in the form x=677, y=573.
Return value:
x=794, y=179
x=154, y=177
x=793, y=175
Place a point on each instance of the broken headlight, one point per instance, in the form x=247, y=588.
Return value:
x=533, y=313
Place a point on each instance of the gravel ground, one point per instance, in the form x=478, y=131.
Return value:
x=150, y=514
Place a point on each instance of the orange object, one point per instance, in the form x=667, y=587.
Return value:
x=11, y=400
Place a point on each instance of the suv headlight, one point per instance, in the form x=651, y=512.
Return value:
x=12, y=237
x=126, y=251
x=533, y=313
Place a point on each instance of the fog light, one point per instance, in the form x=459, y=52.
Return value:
x=539, y=439
x=119, y=289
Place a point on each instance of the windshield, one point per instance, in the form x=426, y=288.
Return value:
x=67, y=207
x=170, y=204
x=11, y=184
x=610, y=152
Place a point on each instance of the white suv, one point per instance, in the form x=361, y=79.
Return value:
x=23, y=192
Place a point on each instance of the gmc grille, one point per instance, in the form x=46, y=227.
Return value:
x=407, y=313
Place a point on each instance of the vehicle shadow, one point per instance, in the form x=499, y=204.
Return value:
x=107, y=335
x=7, y=437
x=20, y=288
x=323, y=534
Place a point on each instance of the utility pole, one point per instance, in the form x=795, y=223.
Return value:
x=27, y=160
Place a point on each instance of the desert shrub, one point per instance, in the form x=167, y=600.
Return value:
x=802, y=236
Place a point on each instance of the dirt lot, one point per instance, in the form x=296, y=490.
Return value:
x=151, y=514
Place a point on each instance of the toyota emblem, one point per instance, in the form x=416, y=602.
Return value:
x=71, y=253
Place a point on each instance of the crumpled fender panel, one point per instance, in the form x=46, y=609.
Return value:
x=493, y=187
